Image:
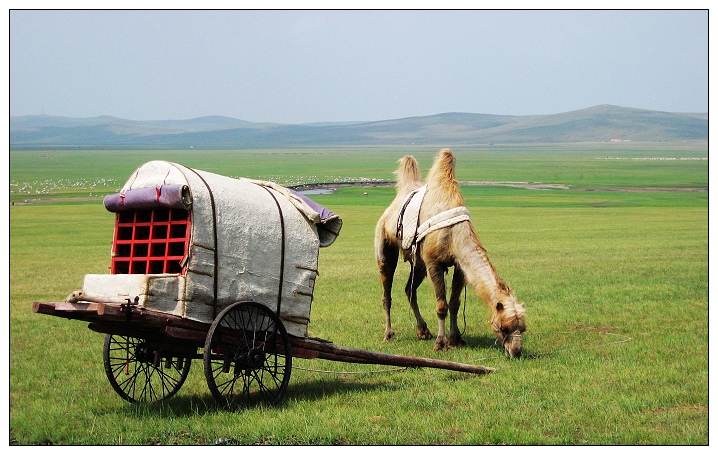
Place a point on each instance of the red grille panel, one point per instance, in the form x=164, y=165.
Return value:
x=150, y=241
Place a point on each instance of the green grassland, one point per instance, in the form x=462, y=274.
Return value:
x=615, y=284
x=72, y=173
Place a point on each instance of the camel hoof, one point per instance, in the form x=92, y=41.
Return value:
x=424, y=334
x=442, y=344
x=457, y=342
x=389, y=335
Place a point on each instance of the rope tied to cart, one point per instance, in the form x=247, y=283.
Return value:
x=214, y=236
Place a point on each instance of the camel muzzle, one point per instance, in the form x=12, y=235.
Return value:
x=512, y=345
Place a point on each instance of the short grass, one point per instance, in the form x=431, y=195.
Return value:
x=616, y=288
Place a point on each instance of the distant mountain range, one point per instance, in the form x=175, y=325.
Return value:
x=596, y=124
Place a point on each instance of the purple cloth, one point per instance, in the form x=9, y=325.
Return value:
x=169, y=196
x=330, y=223
x=324, y=213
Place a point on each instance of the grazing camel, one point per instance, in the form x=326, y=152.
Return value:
x=436, y=233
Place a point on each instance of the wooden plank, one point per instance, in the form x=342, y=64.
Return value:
x=43, y=308
x=329, y=351
x=82, y=311
x=303, y=353
x=107, y=313
x=186, y=334
x=77, y=307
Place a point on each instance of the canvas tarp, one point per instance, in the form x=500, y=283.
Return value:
x=243, y=232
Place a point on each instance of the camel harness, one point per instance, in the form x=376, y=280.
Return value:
x=408, y=228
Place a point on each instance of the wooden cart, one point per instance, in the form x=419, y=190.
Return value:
x=213, y=268
x=246, y=351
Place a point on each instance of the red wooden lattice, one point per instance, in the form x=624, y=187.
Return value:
x=150, y=241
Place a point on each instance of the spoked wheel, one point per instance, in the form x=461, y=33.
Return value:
x=141, y=374
x=247, y=356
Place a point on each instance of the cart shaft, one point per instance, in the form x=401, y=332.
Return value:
x=310, y=348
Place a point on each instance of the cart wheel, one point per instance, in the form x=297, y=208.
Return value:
x=247, y=356
x=140, y=374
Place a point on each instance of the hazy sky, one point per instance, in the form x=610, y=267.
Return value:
x=312, y=66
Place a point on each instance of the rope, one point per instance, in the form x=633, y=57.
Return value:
x=463, y=332
x=411, y=289
x=282, y=257
x=215, y=237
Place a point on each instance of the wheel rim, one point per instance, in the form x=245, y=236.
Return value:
x=247, y=356
x=136, y=374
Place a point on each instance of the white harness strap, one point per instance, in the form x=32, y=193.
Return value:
x=442, y=220
x=407, y=225
x=409, y=217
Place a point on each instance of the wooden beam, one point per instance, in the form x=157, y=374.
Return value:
x=329, y=351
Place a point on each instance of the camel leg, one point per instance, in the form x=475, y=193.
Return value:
x=387, y=267
x=436, y=274
x=418, y=273
x=457, y=284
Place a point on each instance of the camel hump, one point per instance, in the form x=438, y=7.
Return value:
x=407, y=174
x=444, y=166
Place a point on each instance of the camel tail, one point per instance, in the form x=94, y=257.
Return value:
x=407, y=174
x=443, y=171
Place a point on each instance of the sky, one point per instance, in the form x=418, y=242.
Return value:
x=302, y=66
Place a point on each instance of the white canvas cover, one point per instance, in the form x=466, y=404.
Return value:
x=238, y=221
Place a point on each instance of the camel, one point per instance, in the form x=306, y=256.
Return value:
x=447, y=239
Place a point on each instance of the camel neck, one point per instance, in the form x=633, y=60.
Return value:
x=477, y=268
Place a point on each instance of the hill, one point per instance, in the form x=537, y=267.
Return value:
x=595, y=124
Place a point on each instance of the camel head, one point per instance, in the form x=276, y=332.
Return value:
x=507, y=321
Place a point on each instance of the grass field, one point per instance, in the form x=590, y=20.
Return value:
x=71, y=173
x=615, y=284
